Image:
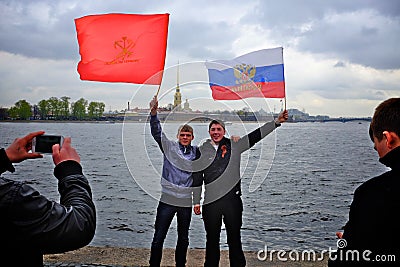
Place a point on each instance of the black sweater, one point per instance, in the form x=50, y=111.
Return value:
x=219, y=169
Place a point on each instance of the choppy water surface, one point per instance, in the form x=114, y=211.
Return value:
x=300, y=204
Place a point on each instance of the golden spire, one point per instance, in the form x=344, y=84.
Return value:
x=177, y=96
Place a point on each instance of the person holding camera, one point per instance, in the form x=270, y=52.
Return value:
x=31, y=225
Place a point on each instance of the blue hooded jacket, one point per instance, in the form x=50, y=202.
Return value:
x=176, y=177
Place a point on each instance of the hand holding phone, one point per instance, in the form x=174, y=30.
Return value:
x=67, y=152
x=18, y=150
x=44, y=143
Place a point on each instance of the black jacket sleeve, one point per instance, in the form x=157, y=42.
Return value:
x=46, y=225
x=5, y=163
x=255, y=136
x=197, y=185
x=197, y=176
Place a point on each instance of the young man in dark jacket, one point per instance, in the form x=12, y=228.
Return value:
x=30, y=224
x=372, y=234
x=222, y=196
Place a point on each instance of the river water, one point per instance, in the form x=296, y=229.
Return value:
x=297, y=183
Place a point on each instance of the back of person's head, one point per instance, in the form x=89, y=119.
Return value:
x=185, y=128
x=215, y=121
x=386, y=118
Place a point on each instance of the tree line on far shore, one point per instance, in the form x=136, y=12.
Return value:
x=54, y=109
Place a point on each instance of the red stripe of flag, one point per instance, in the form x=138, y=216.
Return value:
x=263, y=90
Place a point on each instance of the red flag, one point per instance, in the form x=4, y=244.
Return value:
x=122, y=47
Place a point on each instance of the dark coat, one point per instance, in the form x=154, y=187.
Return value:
x=219, y=169
x=31, y=225
x=374, y=222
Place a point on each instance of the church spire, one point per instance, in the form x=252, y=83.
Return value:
x=177, y=96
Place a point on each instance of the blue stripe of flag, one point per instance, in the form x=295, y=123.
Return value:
x=273, y=73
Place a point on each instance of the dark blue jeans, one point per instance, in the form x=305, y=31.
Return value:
x=165, y=214
x=228, y=209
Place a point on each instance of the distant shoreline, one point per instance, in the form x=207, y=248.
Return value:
x=359, y=120
x=110, y=122
x=59, y=121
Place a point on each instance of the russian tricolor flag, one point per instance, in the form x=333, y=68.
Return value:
x=256, y=74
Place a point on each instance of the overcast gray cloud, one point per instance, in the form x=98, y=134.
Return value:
x=333, y=50
x=40, y=29
x=370, y=41
x=362, y=32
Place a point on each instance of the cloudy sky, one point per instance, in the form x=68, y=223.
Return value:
x=341, y=57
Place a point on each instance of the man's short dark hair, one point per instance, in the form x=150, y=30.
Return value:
x=386, y=118
x=185, y=128
x=215, y=121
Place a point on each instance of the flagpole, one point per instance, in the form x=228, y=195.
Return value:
x=284, y=85
x=285, y=102
x=159, y=86
x=158, y=90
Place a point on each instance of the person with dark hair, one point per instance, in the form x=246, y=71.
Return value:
x=176, y=191
x=31, y=225
x=371, y=235
x=218, y=169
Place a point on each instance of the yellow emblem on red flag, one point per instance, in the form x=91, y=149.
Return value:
x=127, y=48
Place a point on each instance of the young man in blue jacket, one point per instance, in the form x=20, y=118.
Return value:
x=176, y=191
x=31, y=225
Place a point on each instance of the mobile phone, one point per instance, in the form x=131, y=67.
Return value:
x=44, y=143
